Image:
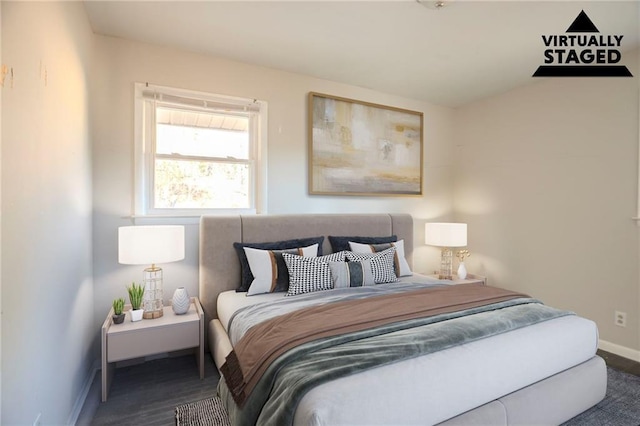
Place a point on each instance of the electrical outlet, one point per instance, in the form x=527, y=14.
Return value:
x=620, y=319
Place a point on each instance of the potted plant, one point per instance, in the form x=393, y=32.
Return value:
x=118, y=315
x=135, y=297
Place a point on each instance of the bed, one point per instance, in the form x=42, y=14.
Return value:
x=543, y=373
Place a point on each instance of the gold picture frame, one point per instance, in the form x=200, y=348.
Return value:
x=362, y=148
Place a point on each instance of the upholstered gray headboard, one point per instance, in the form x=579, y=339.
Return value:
x=219, y=265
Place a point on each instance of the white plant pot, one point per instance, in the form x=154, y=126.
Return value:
x=137, y=314
x=462, y=271
x=180, y=301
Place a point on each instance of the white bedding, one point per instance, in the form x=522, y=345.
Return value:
x=440, y=385
x=230, y=301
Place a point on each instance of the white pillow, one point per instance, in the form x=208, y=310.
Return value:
x=264, y=267
x=402, y=266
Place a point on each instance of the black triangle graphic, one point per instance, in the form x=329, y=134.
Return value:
x=582, y=24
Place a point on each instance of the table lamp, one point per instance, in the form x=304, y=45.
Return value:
x=149, y=245
x=446, y=236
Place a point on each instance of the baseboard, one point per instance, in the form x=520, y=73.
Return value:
x=622, y=351
x=77, y=407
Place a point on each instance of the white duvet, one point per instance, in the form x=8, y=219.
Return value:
x=437, y=386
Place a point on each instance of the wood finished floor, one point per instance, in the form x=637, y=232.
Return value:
x=620, y=363
x=147, y=394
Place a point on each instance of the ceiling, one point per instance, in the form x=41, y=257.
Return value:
x=450, y=56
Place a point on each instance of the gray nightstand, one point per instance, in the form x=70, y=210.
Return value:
x=138, y=339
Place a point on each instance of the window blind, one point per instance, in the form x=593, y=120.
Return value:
x=231, y=105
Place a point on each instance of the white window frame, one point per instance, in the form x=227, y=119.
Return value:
x=144, y=147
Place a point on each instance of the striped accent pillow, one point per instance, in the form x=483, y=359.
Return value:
x=351, y=274
x=381, y=264
x=270, y=272
x=400, y=262
x=246, y=277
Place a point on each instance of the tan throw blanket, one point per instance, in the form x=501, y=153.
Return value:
x=265, y=342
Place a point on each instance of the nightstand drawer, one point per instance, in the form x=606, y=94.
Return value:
x=138, y=343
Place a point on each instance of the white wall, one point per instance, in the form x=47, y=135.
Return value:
x=1, y=221
x=47, y=328
x=547, y=180
x=120, y=63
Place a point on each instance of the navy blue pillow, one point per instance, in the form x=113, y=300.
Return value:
x=246, y=277
x=342, y=243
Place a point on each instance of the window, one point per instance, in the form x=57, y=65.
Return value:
x=198, y=153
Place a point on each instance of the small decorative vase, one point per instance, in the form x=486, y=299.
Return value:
x=136, y=315
x=118, y=319
x=462, y=271
x=181, y=301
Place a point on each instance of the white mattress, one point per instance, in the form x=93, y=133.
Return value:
x=437, y=386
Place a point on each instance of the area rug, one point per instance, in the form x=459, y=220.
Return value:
x=620, y=407
x=207, y=412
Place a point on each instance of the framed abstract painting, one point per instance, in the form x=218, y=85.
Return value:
x=361, y=148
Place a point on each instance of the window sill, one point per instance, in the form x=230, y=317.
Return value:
x=179, y=219
x=163, y=219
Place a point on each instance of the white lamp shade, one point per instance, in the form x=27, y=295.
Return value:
x=445, y=234
x=146, y=245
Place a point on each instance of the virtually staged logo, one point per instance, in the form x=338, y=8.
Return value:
x=582, y=52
